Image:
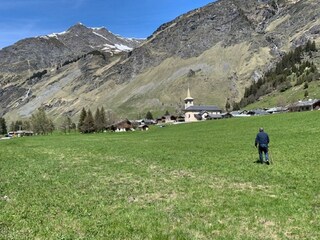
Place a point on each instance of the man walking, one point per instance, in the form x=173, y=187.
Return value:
x=262, y=141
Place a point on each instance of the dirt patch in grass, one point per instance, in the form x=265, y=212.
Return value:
x=219, y=183
x=154, y=197
x=248, y=186
x=182, y=174
x=167, y=175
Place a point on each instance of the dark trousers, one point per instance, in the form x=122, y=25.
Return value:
x=264, y=150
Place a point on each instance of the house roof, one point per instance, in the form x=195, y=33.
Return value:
x=258, y=112
x=202, y=108
x=277, y=109
x=214, y=116
x=309, y=102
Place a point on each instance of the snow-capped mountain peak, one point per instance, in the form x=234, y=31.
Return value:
x=83, y=39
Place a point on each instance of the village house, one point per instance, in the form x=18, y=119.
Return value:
x=277, y=110
x=121, y=126
x=201, y=112
x=20, y=133
x=143, y=127
x=257, y=112
x=170, y=119
x=309, y=105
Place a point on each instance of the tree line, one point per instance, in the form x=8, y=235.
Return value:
x=289, y=71
x=41, y=124
x=89, y=123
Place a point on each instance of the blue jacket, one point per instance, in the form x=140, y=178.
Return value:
x=262, y=139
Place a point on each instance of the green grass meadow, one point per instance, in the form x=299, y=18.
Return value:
x=187, y=181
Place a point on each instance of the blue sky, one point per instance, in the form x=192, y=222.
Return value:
x=129, y=18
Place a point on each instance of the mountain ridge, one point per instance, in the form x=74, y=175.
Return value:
x=218, y=50
x=74, y=42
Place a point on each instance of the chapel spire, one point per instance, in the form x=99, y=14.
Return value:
x=188, y=101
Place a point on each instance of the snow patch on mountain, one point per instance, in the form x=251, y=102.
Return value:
x=116, y=48
x=123, y=47
x=101, y=36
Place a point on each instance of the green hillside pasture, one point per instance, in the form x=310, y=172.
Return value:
x=292, y=95
x=188, y=181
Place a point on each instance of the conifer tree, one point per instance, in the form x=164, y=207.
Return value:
x=236, y=106
x=97, y=124
x=227, y=106
x=100, y=120
x=88, y=123
x=149, y=115
x=313, y=46
x=103, y=118
x=3, y=126
x=308, y=46
x=82, y=117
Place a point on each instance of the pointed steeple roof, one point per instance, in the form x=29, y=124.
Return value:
x=188, y=95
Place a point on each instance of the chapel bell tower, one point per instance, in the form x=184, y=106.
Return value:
x=188, y=101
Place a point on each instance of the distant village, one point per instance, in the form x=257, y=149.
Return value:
x=190, y=113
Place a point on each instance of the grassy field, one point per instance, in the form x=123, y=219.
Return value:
x=188, y=181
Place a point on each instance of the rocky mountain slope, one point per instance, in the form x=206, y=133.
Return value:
x=48, y=51
x=33, y=63
x=216, y=50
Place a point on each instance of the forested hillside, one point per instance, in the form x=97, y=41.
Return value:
x=295, y=68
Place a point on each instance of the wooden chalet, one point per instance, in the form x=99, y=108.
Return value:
x=309, y=105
